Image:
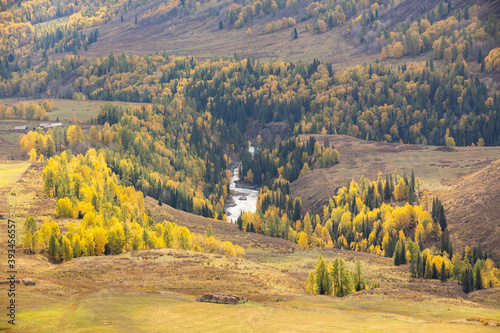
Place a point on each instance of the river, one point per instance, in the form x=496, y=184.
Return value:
x=242, y=199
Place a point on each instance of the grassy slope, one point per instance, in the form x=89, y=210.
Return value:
x=441, y=169
x=10, y=172
x=472, y=209
x=112, y=312
x=154, y=289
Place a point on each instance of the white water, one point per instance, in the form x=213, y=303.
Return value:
x=248, y=205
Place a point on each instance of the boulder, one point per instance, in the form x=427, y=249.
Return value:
x=222, y=298
x=28, y=282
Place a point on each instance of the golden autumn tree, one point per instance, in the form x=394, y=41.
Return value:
x=75, y=135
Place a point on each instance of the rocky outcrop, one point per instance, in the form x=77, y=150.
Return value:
x=222, y=298
x=267, y=133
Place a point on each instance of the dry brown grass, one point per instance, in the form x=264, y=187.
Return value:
x=439, y=168
x=173, y=270
x=472, y=209
x=198, y=36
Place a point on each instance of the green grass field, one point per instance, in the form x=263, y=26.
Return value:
x=64, y=109
x=133, y=312
x=10, y=173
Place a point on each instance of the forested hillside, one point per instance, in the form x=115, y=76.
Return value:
x=187, y=92
x=415, y=103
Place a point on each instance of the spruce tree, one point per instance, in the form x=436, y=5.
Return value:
x=442, y=218
x=420, y=267
x=443, y=277
x=397, y=254
x=239, y=221
x=478, y=283
x=387, y=189
x=53, y=247
x=221, y=25
x=403, y=253
x=359, y=281
x=466, y=280
x=434, y=271
x=428, y=270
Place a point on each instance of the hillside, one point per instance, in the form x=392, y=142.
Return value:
x=438, y=167
x=196, y=33
x=223, y=230
x=110, y=293
x=471, y=208
x=441, y=169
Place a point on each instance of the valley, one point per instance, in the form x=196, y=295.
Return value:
x=335, y=163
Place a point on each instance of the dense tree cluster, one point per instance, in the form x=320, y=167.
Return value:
x=279, y=25
x=360, y=217
x=28, y=111
x=54, y=140
x=29, y=27
x=458, y=36
x=111, y=215
x=471, y=269
x=492, y=61
x=170, y=152
x=414, y=103
x=335, y=279
x=287, y=159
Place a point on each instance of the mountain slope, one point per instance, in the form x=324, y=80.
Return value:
x=472, y=209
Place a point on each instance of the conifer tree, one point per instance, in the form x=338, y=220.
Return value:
x=478, y=283
x=239, y=221
x=210, y=231
x=53, y=247
x=403, y=253
x=397, y=254
x=359, y=281
x=387, y=188
x=323, y=280
x=434, y=271
x=428, y=269
x=341, y=278
x=442, y=218
x=466, y=280
x=443, y=276
x=311, y=282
